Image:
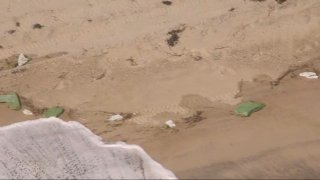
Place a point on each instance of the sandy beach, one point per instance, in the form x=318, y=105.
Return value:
x=188, y=61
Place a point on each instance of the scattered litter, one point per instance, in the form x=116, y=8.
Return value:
x=168, y=3
x=53, y=112
x=22, y=60
x=231, y=9
x=18, y=24
x=170, y=124
x=37, y=26
x=12, y=100
x=27, y=112
x=247, y=108
x=309, y=75
x=116, y=117
x=1, y=47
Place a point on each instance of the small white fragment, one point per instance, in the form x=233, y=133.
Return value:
x=116, y=117
x=170, y=124
x=309, y=75
x=22, y=60
x=27, y=112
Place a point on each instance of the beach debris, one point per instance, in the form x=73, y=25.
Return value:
x=247, y=108
x=18, y=24
x=174, y=35
x=280, y=1
x=168, y=3
x=12, y=100
x=309, y=75
x=231, y=9
x=1, y=47
x=195, y=117
x=22, y=60
x=37, y=26
x=132, y=61
x=27, y=112
x=170, y=124
x=11, y=31
x=53, y=112
x=116, y=117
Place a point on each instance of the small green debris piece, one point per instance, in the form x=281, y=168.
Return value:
x=12, y=100
x=53, y=112
x=247, y=108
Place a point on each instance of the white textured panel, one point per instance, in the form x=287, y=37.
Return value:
x=51, y=148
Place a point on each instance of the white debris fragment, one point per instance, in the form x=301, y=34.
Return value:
x=27, y=112
x=22, y=60
x=170, y=124
x=116, y=117
x=309, y=75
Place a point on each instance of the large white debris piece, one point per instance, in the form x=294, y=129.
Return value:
x=22, y=60
x=27, y=112
x=309, y=75
x=50, y=148
x=116, y=117
x=170, y=124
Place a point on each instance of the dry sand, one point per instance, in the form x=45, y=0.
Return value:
x=96, y=58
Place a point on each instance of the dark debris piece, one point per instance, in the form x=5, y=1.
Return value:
x=37, y=26
x=168, y=3
x=174, y=37
x=231, y=9
x=11, y=31
x=281, y=1
x=18, y=24
x=132, y=61
x=1, y=47
x=195, y=117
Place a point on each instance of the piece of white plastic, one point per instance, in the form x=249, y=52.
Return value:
x=50, y=148
x=309, y=75
x=22, y=60
x=27, y=112
x=170, y=124
x=116, y=117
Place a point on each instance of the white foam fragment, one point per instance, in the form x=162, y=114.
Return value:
x=27, y=112
x=50, y=148
x=170, y=124
x=22, y=60
x=309, y=75
x=116, y=117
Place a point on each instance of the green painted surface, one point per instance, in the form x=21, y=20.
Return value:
x=53, y=112
x=247, y=108
x=12, y=100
